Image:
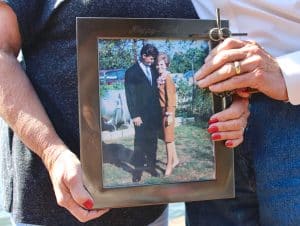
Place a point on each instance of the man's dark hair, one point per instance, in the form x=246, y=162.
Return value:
x=149, y=50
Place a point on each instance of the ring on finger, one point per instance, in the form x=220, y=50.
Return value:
x=237, y=67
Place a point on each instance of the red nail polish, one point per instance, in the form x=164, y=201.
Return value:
x=213, y=120
x=213, y=129
x=216, y=137
x=229, y=143
x=88, y=204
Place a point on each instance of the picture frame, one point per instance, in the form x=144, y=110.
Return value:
x=105, y=156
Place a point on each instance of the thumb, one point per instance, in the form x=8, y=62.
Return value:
x=78, y=191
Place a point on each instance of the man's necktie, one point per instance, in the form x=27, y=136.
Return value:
x=148, y=74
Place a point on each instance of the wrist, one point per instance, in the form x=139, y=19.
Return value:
x=51, y=154
x=167, y=113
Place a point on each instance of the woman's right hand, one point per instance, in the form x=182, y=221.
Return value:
x=21, y=108
x=66, y=176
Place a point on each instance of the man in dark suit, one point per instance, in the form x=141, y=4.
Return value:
x=143, y=104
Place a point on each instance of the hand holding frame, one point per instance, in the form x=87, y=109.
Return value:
x=257, y=70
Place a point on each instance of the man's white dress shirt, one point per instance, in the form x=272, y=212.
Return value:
x=147, y=72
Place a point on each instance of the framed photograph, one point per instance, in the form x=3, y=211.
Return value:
x=143, y=120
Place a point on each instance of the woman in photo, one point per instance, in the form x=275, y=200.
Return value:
x=167, y=99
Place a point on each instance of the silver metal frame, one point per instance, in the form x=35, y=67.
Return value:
x=88, y=32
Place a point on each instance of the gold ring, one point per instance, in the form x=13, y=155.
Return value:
x=237, y=67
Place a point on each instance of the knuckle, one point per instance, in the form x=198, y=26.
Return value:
x=225, y=70
x=228, y=68
x=225, y=56
x=258, y=58
x=237, y=124
x=231, y=112
x=62, y=202
x=241, y=133
x=247, y=113
x=229, y=42
x=72, y=178
x=235, y=79
x=258, y=77
x=259, y=74
x=245, y=105
x=246, y=102
x=237, y=112
x=81, y=219
x=244, y=121
x=255, y=49
x=84, y=217
x=239, y=141
x=252, y=42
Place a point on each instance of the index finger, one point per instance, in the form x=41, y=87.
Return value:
x=218, y=61
x=227, y=52
x=228, y=43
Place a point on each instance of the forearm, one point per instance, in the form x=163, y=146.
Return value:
x=21, y=109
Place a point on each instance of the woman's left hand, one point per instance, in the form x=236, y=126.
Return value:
x=229, y=124
x=235, y=65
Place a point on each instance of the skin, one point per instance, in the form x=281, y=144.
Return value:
x=231, y=122
x=259, y=70
x=148, y=60
x=21, y=108
x=161, y=67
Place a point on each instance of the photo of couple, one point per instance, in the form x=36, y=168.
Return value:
x=149, y=104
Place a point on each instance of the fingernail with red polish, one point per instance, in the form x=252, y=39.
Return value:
x=88, y=204
x=216, y=137
x=228, y=143
x=213, y=129
x=213, y=120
